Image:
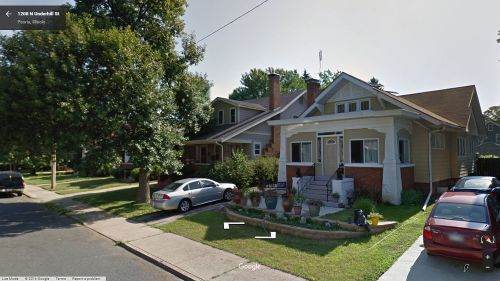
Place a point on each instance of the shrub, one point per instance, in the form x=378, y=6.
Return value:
x=135, y=174
x=365, y=204
x=265, y=170
x=98, y=164
x=238, y=170
x=411, y=197
x=202, y=171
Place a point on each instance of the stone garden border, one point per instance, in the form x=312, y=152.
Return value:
x=351, y=230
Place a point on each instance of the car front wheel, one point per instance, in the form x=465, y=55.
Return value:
x=185, y=205
x=228, y=195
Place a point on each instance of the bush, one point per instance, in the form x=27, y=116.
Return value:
x=202, y=171
x=98, y=164
x=237, y=170
x=265, y=170
x=135, y=174
x=365, y=204
x=411, y=197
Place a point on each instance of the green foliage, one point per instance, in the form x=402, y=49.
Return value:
x=335, y=195
x=365, y=204
x=327, y=76
x=376, y=83
x=254, y=193
x=493, y=113
x=299, y=198
x=312, y=202
x=411, y=197
x=238, y=170
x=488, y=156
x=135, y=174
x=265, y=170
x=202, y=171
x=98, y=164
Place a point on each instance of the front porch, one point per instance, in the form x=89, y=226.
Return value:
x=208, y=153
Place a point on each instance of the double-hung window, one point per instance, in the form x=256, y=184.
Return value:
x=257, y=149
x=364, y=151
x=301, y=152
x=404, y=150
x=340, y=107
x=220, y=117
x=461, y=146
x=437, y=141
x=232, y=114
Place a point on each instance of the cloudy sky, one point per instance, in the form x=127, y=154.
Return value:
x=411, y=46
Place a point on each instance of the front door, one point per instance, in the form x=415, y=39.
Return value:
x=330, y=155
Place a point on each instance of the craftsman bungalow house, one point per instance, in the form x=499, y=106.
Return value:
x=388, y=142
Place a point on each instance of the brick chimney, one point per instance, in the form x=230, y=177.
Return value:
x=274, y=91
x=313, y=86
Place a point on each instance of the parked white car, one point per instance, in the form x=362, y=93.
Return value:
x=186, y=193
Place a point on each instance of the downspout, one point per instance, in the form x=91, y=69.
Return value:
x=221, y=150
x=430, y=162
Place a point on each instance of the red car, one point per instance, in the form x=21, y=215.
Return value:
x=465, y=226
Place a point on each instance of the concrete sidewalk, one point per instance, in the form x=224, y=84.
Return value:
x=185, y=258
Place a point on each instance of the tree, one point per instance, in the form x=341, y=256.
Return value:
x=327, y=76
x=493, y=113
x=305, y=75
x=375, y=83
x=41, y=102
x=149, y=116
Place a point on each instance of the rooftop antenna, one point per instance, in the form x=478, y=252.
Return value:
x=320, y=59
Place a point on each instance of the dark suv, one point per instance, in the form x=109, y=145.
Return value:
x=11, y=182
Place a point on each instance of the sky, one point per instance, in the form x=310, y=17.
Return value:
x=410, y=46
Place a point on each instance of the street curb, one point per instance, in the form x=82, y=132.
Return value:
x=160, y=263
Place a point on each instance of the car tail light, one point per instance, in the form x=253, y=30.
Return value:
x=427, y=232
x=488, y=240
x=165, y=197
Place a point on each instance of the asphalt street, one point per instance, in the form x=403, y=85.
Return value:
x=36, y=241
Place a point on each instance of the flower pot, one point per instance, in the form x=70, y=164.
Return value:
x=297, y=209
x=287, y=205
x=375, y=220
x=255, y=201
x=271, y=202
x=237, y=197
x=314, y=210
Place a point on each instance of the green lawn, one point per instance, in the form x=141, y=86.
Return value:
x=67, y=184
x=390, y=213
x=119, y=202
x=350, y=259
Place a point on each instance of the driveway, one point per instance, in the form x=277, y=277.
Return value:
x=416, y=265
x=35, y=241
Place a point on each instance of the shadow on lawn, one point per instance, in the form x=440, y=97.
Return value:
x=214, y=222
x=92, y=183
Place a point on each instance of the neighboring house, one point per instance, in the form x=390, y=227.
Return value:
x=242, y=124
x=491, y=144
x=383, y=139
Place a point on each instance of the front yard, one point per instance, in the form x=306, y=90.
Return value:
x=70, y=183
x=349, y=259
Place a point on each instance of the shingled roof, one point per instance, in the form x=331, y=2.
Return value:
x=452, y=104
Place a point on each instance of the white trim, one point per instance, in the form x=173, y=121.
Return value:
x=369, y=104
x=355, y=102
x=260, y=149
x=364, y=165
x=378, y=150
x=235, y=115
x=234, y=103
x=301, y=142
x=253, y=124
x=299, y=163
x=257, y=133
x=407, y=165
x=219, y=123
x=340, y=103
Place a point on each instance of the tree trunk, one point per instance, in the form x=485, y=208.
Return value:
x=53, y=167
x=143, y=192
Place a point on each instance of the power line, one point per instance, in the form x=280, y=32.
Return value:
x=222, y=27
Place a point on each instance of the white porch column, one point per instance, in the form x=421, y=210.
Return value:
x=391, y=182
x=282, y=160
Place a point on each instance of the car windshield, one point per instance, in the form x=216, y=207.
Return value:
x=473, y=184
x=172, y=187
x=460, y=212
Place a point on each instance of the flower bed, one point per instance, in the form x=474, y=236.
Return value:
x=292, y=225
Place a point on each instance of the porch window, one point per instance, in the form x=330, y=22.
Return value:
x=437, y=141
x=460, y=146
x=340, y=107
x=364, y=151
x=301, y=152
x=256, y=149
x=233, y=115
x=364, y=105
x=404, y=151
x=490, y=127
x=220, y=117
x=353, y=106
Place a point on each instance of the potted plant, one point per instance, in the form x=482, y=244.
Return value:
x=335, y=197
x=314, y=207
x=297, y=206
x=271, y=198
x=236, y=196
x=244, y=197
x=254, y=196
x=375, y=217
x=287, y=202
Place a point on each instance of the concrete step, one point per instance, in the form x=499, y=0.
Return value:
x=316, y=192
x=316, y=187
x=315, y=196
x=322, y=178
x=318, y=182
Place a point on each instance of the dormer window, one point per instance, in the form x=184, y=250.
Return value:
x=364, y=105
x=220, y=117
x=353, y=106
x=233, y=115
x=340, y=108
